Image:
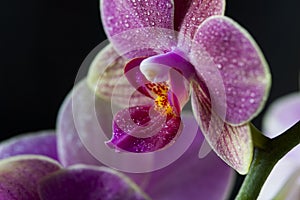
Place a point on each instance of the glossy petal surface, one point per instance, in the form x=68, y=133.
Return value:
x=20, y=176
x=41, y=143
x=232, y=66
x=89, y=183
x=232, y=143
x=199, y=10
x=134, y=25
x=106, y=77
x=70, y=148
x=140, y=129
x=189, y=177
x=285, y=176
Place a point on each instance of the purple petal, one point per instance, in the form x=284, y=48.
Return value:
x=282, y=114
x=70, y=148
x=93, y=120
x=189, y=177
x=233, y=68
x=20, y=176
x=106, y=78
x=198, y=11
x=140, y=129
x=135, y=25
x=232, y=143
x=41, y=143
x=89, y=183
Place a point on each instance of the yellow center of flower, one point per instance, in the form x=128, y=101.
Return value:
x=159, y=91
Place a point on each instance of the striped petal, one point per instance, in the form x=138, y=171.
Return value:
x=198, y=11
x=189, y=177
x=40, y=143
x=106, y=78
x=232, y=143
x=20, y=176
x=137, y=28
x=233, y=68
x=89, y=183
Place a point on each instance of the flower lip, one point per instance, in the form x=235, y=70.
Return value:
x=141, y=132
x=156, y=68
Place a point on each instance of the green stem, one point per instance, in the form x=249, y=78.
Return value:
x=266, y=154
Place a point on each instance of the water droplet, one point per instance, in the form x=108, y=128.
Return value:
x=169, y=5
x=251, y=100
x=219, y=66
x=126, y=25
x=153, y=23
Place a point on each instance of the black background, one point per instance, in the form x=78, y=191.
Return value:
x=43, y=43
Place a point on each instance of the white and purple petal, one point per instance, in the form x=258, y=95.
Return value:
x=20, y=176
x=89, y=183
x=232, y=66
x=189, y=177
x=106, y=78
x=198, y=11
x=232, y=143
x=70, y=148
x=138, y=28
x=40, y=143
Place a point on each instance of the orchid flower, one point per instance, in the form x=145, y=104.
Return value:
x=160, y=51
x=284, y=180
x=78, y=175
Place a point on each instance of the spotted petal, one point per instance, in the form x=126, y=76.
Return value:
x=198, y=11
x=40, y=143
x=232, y=143
x=89, y=183
x=20, y=176
x=189, y=177
x=139, y=28
x=232, y=66
x=106, y=78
